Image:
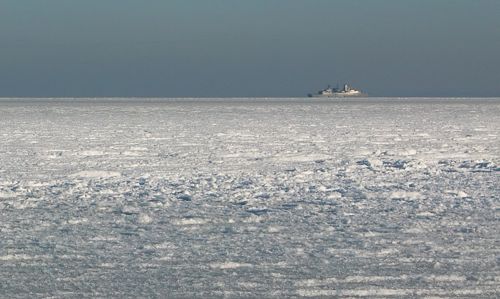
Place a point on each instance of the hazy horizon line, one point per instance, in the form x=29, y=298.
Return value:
x=244, y=97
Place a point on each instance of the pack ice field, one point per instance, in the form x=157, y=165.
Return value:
x=235, y=198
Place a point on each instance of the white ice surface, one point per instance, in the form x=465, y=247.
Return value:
x=249, y=198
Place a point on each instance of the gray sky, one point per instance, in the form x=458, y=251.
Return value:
x=248, y=48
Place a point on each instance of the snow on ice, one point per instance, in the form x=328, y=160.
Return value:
x=249, y=198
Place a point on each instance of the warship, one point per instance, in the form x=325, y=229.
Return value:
x=330, y=92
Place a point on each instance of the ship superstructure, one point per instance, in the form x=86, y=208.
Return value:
x=346, y=91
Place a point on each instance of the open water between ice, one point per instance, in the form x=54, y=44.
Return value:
x=235, y=198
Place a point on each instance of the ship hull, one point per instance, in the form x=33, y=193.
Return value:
x=338, y=95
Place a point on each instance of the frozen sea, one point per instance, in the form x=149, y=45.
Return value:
x=250, y=198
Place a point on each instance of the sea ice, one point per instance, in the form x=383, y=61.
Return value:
x=248, y=198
